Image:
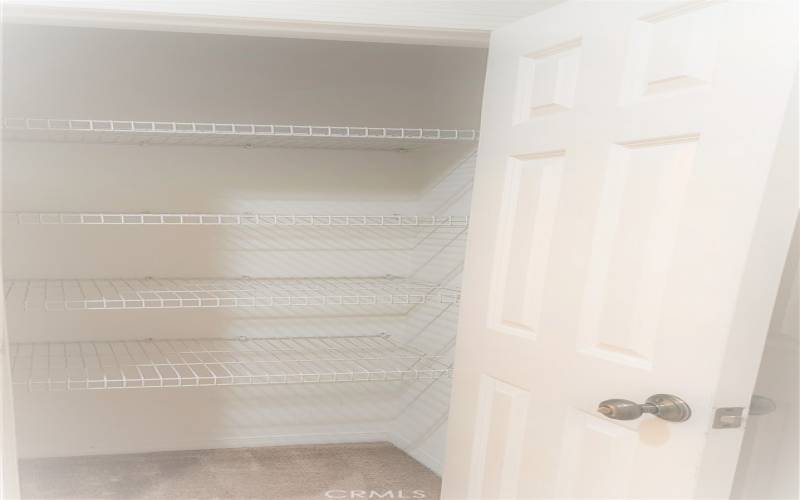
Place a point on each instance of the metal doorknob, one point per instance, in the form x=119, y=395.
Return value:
x=664, y=406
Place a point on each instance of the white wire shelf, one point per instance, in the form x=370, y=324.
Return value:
x=230, y=134
x=195, y=219
x=130, y=364
x=173, y=293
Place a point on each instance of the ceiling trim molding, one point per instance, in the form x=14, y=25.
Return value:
x=14, y=13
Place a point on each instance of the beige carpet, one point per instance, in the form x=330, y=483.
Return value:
x=318, y=472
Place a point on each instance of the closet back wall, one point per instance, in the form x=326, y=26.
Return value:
x=128, y=75
x=81, y=72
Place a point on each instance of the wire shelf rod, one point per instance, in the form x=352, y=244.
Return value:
x=196, y=362
x=230, y=134
x=195, y=219
x=173, y=293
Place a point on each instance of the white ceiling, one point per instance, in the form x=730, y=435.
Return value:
x=446, y=22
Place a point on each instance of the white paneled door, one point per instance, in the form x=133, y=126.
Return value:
x=629, y=226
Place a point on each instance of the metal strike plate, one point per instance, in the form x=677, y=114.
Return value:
x=728, y=418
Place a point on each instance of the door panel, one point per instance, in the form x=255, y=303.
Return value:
x=525, y=227
x=580, y=475
x=546, y=81
x=623, y=162
x=633, y=237
x=500, y=425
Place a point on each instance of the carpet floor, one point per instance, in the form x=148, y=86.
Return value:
x=314, y=472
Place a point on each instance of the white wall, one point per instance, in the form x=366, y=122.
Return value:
x=106, y=74
x=60, y=72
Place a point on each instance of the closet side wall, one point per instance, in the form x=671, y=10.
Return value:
x=420, y=427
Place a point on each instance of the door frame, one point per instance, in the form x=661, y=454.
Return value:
x=9, y=469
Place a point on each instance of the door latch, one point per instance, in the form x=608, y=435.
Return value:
x=728, y=418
